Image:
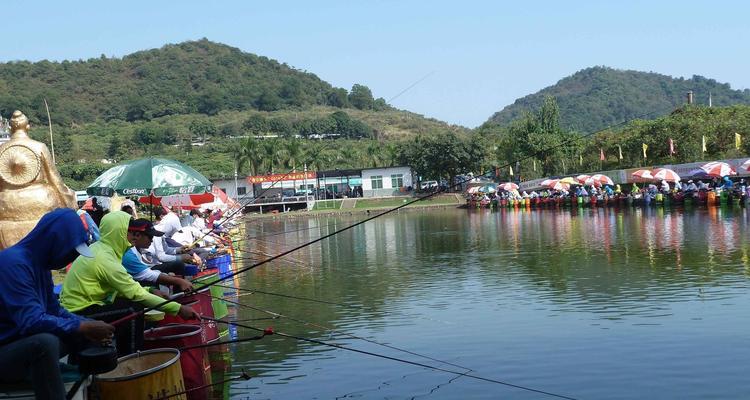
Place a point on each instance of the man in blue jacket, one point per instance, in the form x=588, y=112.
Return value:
x=34, y=328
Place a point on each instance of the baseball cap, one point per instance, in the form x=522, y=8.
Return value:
x=145, y=226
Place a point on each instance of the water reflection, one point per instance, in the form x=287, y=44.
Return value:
x=601, y=277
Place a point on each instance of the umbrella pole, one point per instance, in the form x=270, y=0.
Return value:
x=151, y=209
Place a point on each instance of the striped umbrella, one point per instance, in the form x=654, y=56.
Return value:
x=592, y=182
x=643, y=174
x=570, y=181
x=473, y=190
x=745, y=166
x=665, y=174
x=508, y=186
x=547, y=182
x=582, y=178
x=718, y=169
x=602, y=179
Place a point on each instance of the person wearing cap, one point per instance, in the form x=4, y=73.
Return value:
x=101, y=288
x=34, y=330
x=141, y=233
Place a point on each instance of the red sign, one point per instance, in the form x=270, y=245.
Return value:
x=292, y=176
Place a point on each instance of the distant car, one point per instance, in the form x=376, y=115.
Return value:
x=426, y=185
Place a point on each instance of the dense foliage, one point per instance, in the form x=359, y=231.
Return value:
x=595, y=98
x=546, y=149
x=198, y=77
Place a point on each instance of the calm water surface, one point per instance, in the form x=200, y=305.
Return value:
x=592, y=304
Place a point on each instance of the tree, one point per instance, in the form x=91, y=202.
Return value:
x=268, y=101
x=255, y=124
x=202, y=128
x=361, y=97
x=114, y=149
x=247, y=153
x=293, y=153
x=337, y=97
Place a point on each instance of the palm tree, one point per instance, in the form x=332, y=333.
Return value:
x=247, y=153
x=272, y=153
x=372, y=154
x=293, y=153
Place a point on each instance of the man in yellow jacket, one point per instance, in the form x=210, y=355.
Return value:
x=101, y=288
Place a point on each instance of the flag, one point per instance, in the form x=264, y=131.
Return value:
x=534, y=161
x=704, y=144
x=619, y=149
x=737, y=141
x=510, y=168
x=645, y=147
x=497, y=172
x=671, y=146
x=580, y=159
x=601, y=154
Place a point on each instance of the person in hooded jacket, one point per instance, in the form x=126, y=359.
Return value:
x=34, y=330
x=101, y=288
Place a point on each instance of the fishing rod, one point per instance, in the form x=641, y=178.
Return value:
x=376, y=215
x=401, y=360
x=338, y=332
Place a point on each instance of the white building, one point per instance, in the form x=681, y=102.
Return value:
x=244, y=189
x=386, y=182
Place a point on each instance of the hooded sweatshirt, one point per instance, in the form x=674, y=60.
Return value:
x=96, y=281
x=27, y=304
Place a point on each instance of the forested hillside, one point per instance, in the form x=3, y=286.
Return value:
x=597, y=97
x=198, y=102
x=198, y=77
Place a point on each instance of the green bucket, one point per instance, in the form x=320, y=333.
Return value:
x=217, y=292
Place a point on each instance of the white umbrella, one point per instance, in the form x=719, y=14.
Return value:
x=718, y=169
x=602, y=179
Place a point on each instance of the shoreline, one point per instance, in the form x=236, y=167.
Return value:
x=354, y=211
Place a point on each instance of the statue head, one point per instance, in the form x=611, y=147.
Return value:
x=19, y=125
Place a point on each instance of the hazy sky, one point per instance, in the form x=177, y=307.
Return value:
x=478, y=56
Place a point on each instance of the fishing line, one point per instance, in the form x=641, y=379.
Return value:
x=401, y=360
x=251, y=291
x=244, y=376
x=338, y=332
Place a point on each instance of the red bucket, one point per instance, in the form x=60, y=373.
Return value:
x=196, y=368
x=201, y=303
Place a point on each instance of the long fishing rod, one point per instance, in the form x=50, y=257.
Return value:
x=242, y=206
x=338, y=332
x=376, y=215
x=401, y=360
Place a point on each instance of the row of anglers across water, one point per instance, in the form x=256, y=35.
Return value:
x=93, y=340
x=705, y=193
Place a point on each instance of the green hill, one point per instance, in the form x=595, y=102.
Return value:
x=597, y=97
x=187, y=78
x=197, y=102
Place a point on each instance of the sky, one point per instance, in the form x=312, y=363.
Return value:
x=470, y=58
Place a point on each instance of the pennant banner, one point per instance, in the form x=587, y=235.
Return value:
x=704, y=144
x=601, y=154
x=645, y=147
x=619, y=149
x=737, y=141
x=671, y=147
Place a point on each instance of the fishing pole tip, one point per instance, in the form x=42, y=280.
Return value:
x=245, y=376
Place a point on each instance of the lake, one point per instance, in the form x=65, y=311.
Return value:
x=590, y=304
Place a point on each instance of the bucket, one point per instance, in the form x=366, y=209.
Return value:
x=196, y=369
x=147, y=374
x=201, y=303
x=219, y=306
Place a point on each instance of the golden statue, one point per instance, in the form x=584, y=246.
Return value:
x=30, y=185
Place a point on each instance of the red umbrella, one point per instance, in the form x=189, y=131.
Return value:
x=718, y=169
x=665, y=174
x=643, y=174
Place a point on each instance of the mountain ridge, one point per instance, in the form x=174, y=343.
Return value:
x=596, y=97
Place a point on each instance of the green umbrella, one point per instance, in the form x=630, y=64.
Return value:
x=149, y=176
